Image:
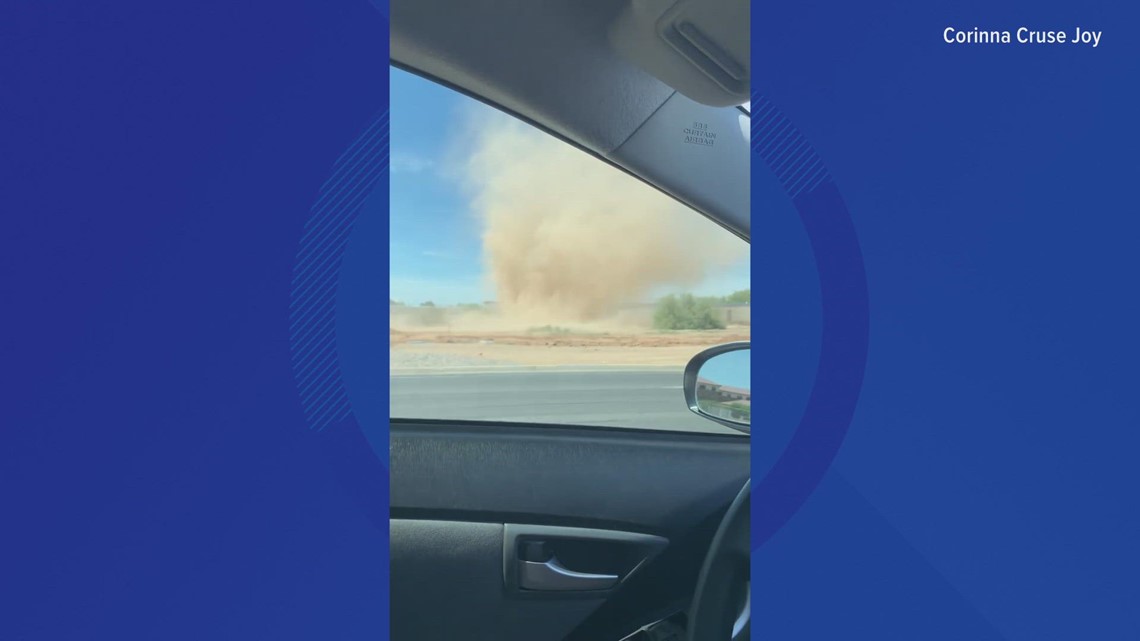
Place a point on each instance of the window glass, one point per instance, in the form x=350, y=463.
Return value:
x=531, y=282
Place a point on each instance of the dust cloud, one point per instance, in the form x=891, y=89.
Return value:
x=568, y=238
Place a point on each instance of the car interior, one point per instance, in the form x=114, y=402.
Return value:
x=503, y=531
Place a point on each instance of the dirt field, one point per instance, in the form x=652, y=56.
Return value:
x=435, y=348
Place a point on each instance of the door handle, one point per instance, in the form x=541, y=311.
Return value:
x=551, y=576
x=531, y=569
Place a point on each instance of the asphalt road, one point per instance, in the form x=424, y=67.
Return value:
x=645, y=398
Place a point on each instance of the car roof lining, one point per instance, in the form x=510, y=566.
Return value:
x=570, y=80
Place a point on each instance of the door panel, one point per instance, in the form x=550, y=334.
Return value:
x=463, y=496
x=447, y=583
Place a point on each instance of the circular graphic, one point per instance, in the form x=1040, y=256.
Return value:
x=845, y=323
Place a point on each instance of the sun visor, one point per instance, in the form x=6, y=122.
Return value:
x=698, y=153
x=701, y=48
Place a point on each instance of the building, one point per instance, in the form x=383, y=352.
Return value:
x=717, y=393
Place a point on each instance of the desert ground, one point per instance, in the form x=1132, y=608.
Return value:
x=551, y=347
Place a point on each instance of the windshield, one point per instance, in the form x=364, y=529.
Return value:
x=534, y=283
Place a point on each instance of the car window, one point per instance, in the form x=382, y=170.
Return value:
x=533, y=283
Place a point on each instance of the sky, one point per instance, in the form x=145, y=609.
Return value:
x=435, y=240
x=436, y=237
x=732, y=369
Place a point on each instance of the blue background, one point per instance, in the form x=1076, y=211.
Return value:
x=987, y=488
x=158, y=478
x=157, y=475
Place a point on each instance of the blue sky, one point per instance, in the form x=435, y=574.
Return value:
x=733, y=369
x=436, y=248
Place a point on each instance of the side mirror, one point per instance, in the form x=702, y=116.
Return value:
x=718, y=385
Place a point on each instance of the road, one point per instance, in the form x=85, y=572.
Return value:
x=646, y=398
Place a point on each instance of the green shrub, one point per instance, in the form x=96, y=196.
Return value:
x=685, y=312
x=738, y=297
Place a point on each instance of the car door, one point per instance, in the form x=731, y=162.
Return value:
x=600, y=500
x=548, y=481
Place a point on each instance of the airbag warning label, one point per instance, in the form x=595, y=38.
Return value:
x=699, y=134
